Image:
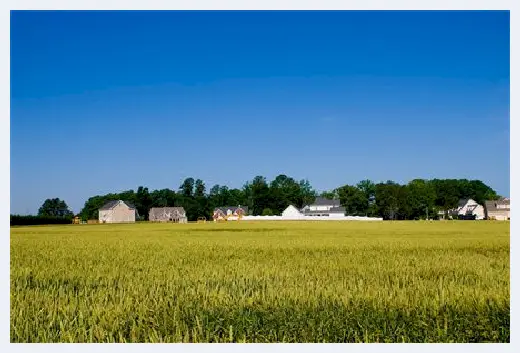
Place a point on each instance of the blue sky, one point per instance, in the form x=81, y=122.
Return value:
x=107, y=101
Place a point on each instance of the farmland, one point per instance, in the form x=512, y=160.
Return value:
x=261, y=282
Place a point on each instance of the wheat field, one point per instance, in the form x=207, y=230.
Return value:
x=261, y=282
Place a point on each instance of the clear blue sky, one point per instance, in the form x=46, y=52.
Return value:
x=107, y=101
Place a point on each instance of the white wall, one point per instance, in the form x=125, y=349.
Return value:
x=309, y=218
x=320, y=208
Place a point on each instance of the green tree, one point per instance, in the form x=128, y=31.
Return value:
x=143, y=202
x=267, y=212
x=200, y=188
x=353, y=199
x=186, y=188
x=307, y=194
x=388, y=199
x=54, y=208
x=260, y=195
x=421, y=198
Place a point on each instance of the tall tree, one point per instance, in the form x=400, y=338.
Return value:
x=54, y=208
x=186, y=188
x=260, y=195
x=308, y=195
x=200, y=188
x=143, y=202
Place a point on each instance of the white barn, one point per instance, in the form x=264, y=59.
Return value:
x=117, y=212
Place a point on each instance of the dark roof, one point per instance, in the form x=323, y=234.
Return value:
x=321, y=201
x=332, y=210
x=463, y=202
x=111, y=204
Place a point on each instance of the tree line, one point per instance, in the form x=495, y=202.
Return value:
x=418, y=199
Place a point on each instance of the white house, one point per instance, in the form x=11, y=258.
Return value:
x=469, y=208
x=117, y=212
x=324, y=207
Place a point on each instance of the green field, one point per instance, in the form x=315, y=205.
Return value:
x=261, y=282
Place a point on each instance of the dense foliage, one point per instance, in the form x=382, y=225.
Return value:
x=17, y=220
x=54, y=208
x=416, y=200
x=262, y=282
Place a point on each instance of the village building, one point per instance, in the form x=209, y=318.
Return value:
x=468, y=209
x=117, y=212
x=499, y=210
x=324, y=208
x=167, y=214
x=229, y=213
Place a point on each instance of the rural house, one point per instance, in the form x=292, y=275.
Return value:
x=498, y=209
x=117, y=212
x=167, y=214
x=469, y=209
x=324, y=207
x=229, y=213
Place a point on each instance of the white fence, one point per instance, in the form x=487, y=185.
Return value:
x=309, y=218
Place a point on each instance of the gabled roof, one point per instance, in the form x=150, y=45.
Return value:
x=111, y=204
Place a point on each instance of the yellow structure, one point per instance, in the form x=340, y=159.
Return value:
x=201, y=220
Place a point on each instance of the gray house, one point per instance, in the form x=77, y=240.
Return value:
x=167, y=214
x=499, y=210
x=323, y=207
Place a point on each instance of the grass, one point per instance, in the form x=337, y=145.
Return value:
x=261, y=282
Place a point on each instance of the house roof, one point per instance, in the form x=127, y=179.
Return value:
x=321, y=201
x=491, y=205
x=161, y=210
x=232, y=208
x=111, y=204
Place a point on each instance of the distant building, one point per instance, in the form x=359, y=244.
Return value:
x=117, y=212
x=499, y=210
x=324, y=207
x=469, y=209
x=167, y=214
x=291, y=212
x=229, y=213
